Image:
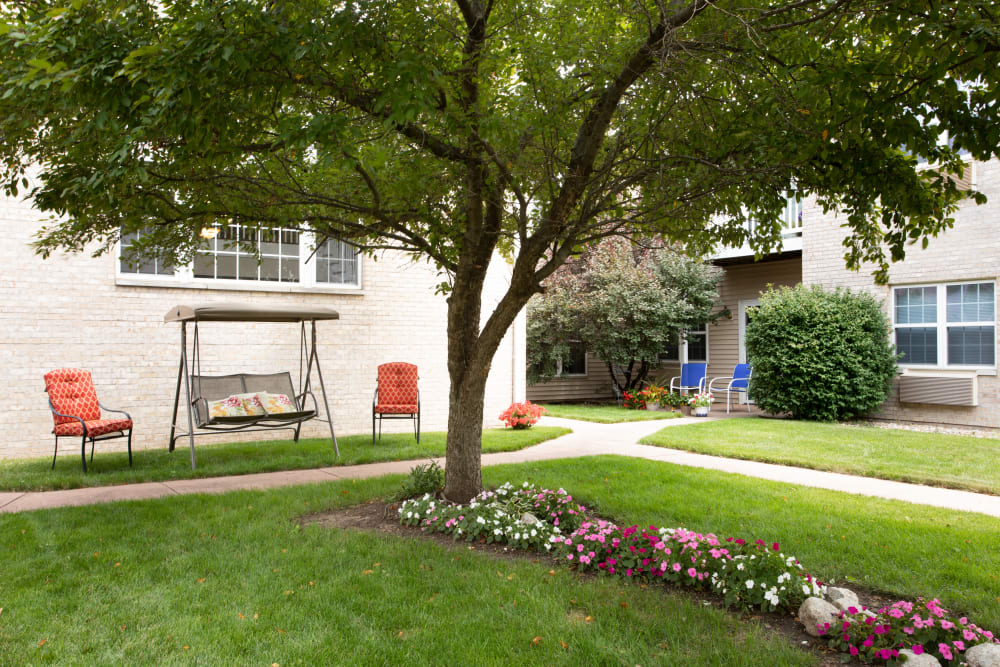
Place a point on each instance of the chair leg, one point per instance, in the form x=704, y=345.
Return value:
x=418, y=428
x=83, y=452
x=373, y=428
x=56, y=451
x=91, y=450
x=380, y=429
x=130, y=448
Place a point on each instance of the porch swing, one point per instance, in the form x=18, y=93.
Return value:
x=246, y=401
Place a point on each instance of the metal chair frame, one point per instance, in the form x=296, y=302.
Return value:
x=114, y=435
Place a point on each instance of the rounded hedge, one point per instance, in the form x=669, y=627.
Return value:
x=819, y=355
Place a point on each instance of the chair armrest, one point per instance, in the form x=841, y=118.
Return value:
x=374, y=398
x=83, y=424
x=418, y=400
x=676, y=377
x=714, y=380
x=107, y=409
x=300, y=399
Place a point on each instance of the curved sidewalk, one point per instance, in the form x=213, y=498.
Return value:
x=587, y=439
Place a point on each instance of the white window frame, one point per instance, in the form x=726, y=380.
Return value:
x=183, y=276
x=941, y=294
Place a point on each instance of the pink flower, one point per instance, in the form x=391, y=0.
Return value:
x=946, y=625
x=854, y=650
x=945, y=651
x=692, y=572
x=908, y=631
x=775, y=546
x=852, y=610
x=677, y=567
x=959, y=645
x=917, y=649
x=969, y=635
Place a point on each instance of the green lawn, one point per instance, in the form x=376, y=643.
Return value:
x=232, y=580
x=954, y=461
x=243, y=458
x=604, y=414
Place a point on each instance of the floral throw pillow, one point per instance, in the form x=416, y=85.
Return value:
x=231, y=406
x=277, y=404
x=253, y=403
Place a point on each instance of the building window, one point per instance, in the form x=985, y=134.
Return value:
x=231, y=255
x=253, y=257
x=337, y=263
x=577, y=362
x=946, y=325
x=694, y=347
x=129, y=262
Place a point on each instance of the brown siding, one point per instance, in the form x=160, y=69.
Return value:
x=594, y=386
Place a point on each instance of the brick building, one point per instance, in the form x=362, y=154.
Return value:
x=107, y=316
x=942, y=302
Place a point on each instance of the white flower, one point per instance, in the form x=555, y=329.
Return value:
x=533, y=532
x=739, y=566
x=805, y=589
x=749, y=583
x=409, y=515
x=480, y=519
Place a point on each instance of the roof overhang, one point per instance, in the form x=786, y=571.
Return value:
x=237, y=312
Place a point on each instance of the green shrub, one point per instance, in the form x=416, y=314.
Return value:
x=423, y=479
x=819, y=355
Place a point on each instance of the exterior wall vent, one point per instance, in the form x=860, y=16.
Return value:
x=939, y=389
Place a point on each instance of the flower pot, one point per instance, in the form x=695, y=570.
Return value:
x=653, y=407
x=700, y=411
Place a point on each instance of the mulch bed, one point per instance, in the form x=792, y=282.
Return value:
x=380, y=517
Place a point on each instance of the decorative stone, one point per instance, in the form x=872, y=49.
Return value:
x=922, y=660
x=983, y=655
x=815, y=614
x=842, y=598
x=529, y=519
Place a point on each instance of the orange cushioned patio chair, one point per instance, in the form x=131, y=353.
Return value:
x=77, y=412
x=396, y=396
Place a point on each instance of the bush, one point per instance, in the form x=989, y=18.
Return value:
x=820, y=355
x=423, y=479
x=522, y=415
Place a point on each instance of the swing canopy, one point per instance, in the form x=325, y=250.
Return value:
x=246, y=401
x=237, y=312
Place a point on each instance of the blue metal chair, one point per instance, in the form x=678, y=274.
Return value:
x=738, y=383
x=692, y=377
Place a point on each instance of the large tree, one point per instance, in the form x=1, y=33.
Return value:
x=625, y=303
x=453, y=130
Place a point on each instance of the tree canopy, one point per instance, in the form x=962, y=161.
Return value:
x=625, y=304
x=456, y=130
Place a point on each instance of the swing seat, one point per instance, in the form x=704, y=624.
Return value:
x=208, y=389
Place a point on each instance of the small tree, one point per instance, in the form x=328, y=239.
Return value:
x=820, y=355
x=624, y=304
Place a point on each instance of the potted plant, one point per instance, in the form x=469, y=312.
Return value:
x=633, y=401
x=652, y=396
x=700, y=403
x=672, y=400
x=522, y=415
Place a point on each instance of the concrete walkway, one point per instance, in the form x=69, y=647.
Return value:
x=587, y=439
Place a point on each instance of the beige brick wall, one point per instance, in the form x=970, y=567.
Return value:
x=968, y=251
x=68, y=311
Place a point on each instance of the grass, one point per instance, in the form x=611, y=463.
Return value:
x=954, y=461
x=242, y=458
x=233, y=580
x=604, y=414
x=884, y=545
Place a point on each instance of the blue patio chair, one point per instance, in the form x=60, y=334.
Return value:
x=692, y=377
x=738, y=383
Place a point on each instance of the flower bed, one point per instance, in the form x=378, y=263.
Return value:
x=747, y=575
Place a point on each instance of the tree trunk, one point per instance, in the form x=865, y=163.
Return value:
x=463, y=473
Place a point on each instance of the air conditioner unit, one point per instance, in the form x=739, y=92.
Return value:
x=942, y=389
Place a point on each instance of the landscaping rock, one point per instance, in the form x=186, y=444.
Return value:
x=983, y=655
x=842, y=598
x=529, y=519
x=922, y=660
x=815, y=613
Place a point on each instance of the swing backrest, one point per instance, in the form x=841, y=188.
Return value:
x=208, y=388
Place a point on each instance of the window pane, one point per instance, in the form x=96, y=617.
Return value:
x=672, y=352
x=918, y=345
x=697, y=346
x=129, y=262
x=289, y=243
x=916, y=305
x=225, y=266
x=290, y=270
x=577, y=363
x=204, y=266
x=971, y=346
x=269, y=269
x=971, y=303
x=248, y=267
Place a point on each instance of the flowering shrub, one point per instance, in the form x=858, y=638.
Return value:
x=700, y=400
x=747, y=575
x=633, y=401
x=879, y=637
x=495, y=516
x=522, y=415
x=653, y=394
x=672, y=400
